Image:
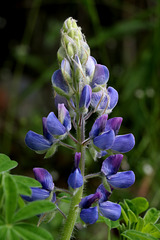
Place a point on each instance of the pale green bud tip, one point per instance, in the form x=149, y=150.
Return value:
x=69, y=24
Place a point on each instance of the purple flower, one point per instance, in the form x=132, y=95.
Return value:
x=110, y=167
x=75, y=179
x=46, y=180
x=106, y=100
x=85, y=98
x=38, y=142
x=61, y=125
x=104, y=135
x=101, y=138
x=108, y=209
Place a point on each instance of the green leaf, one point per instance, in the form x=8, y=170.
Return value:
x=12, y=234
x=1, y=220
x=24, y=184
x=135, y=235
x=51, y=151
x=64, y=197
x=152, y=230
x=30, y=232
x=3, y=232
x=129, y=205
x=6, y=164
x=151, y=216
x=124, y=215
x=140, y=224
x=10, y=193
x=132, y=216
x=33, y=209
x=30, y=182
x=23, y=189
x=141, y=204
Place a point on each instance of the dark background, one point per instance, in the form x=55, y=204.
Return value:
x=124, y=36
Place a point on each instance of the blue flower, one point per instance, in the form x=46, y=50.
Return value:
x=108, y=209
x=110, y=167
x=53, y=128
x=46, y=180
x=61, y=125
x=104, y=135
x=38, y=142
x=85, y=98
x=103, y=99
x=75, y=179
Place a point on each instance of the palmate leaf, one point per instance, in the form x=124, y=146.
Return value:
x=6, y=163
x=3, y=232
x=34, y=208
x=30, y=232
x=136, y=235
x=10, y=193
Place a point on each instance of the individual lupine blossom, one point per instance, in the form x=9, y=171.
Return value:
x=53, y=129
x=75, y=179
x=110, y=167
x=103, y=99
x=106, y=208
x=104, y=134
x=46, y=180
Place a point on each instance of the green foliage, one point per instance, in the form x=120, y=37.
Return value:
x=134, y=226
x=13, y=211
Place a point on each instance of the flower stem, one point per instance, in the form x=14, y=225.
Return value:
x=109, y=233
x=77, y=195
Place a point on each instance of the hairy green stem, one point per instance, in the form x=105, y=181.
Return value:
x=77, y=195
x=109, y=234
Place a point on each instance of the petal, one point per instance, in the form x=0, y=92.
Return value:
x=44, y=177
x=90, y=66
x=114, y=123
x=124, y=143
x=36, y=141
x=111, y=164
x=64, y=116
x=101, y=75
x=77, y=159
x=60, y=99
x=96, y=96
x=89, y=215
x=87, y=201
x=98, y=126
x=110, y=210
x=54, y=126
x=104, y=193
x=121, y=179
x=75, y=179
x=105, y=140
x=54, y=197
x=37, y=194
x=46, y=134
x=85, y=98
x=113, y=94
x=59, y=84
x=66, y=70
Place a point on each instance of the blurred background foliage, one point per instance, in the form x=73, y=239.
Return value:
x=124, y=35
